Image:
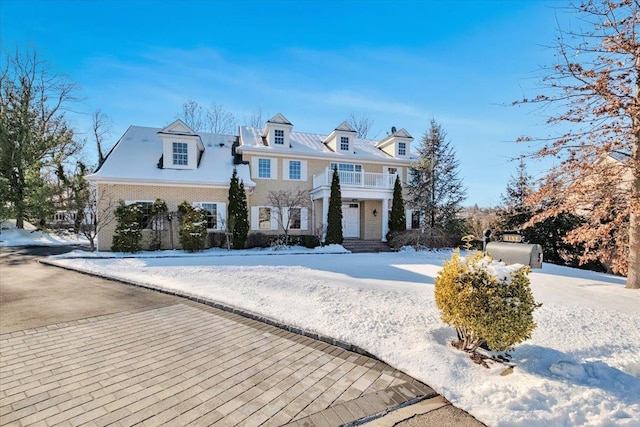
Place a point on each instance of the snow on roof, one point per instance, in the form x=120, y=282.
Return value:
x=135, y=158
x=311, y=144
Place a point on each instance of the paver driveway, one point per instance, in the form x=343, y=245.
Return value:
x=163, y=360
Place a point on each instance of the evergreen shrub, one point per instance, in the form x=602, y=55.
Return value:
x=128, y=234
x=486, y=301
x=257, y=240
x=193, y=229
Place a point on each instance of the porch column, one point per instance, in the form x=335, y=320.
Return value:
x=385, y=219
x=325, y=216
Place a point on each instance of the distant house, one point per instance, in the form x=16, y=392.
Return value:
x=177, y=164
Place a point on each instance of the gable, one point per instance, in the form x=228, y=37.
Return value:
x=279, y=119
x=178, y=127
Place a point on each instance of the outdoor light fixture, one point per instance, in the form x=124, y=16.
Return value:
x=375, y=212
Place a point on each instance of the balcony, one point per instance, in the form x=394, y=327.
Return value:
x=383, y=181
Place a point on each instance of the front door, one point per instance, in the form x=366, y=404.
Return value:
x=351, y=220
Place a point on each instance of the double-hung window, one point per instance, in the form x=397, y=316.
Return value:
x=278, y=136
x=264, y=218
x=212, y=215
x=344, y=143
x=264, y=168
x=295, y=169
x=180, y=154
x=295, y=218
x=402, y=148
x=415, y=219
x=145, y=208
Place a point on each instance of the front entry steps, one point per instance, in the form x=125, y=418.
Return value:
x=361, y=246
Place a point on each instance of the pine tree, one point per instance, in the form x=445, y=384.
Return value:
x=515, y=213
x=334, y=216
x=397, y=220
x=237, y=212
x=434, y=187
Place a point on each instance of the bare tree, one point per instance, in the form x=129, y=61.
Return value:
x=286, y=202
x=100, y=124
x=219, y=120
x=255, y=119
x=35, y=135
x=214, y=119
x=593, y=90
x=361, y=123
x=98, y=214
x=193, y=115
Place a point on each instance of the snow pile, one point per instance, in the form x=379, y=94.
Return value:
x=31, y=236
x=581, y=366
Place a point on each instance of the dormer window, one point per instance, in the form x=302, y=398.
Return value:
x=180, y=154
x=344, y=143
x=279, y=137
x=402, y=148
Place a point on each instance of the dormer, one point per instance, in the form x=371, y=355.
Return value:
x=277, y=130
x=181, y=146
x=396, y=144
x=341, y=139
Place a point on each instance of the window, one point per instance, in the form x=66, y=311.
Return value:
x=264, y=218
x=344, y=143
x=295, y=218
x=415, y=219
x=346, y=167
x=264, y=168
x=392, y=171
x=145, y=208
x=295, y=169
x=212, y=215
x=180, y=154
x=279, y=136
x=402, y=148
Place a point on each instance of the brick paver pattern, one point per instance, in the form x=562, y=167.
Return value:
x=182, y=365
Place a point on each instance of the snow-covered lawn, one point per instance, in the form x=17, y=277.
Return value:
x=31, y=236
x=581, y=367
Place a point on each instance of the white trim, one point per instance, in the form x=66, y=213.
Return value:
x=161, y=183
x=330, y=157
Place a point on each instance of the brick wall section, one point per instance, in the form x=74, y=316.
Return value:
x=172, y=195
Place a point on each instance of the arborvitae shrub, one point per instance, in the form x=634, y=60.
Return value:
x=193, y=230
x=334, y=216
x=128, y=234
x=397, y=219
x=485, y=301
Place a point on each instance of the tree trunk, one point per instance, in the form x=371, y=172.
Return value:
x=633, y=275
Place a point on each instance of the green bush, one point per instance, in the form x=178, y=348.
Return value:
x=193, y=229
x=485, y=308
x=128, y=234
x=310, y=241
x=258, y=240
x=216, y=239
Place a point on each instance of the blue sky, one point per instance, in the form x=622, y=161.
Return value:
x=401, y=63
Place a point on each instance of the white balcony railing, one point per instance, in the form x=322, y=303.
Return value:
x=356, y=179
